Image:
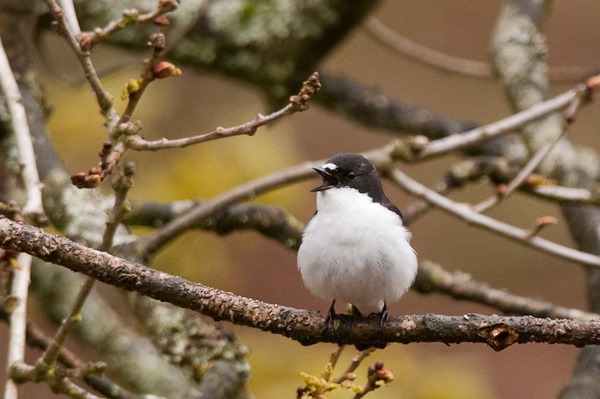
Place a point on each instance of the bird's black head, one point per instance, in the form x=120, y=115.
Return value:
x=357, y=172
x=350, y=170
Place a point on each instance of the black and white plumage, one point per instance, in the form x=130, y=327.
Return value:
x=355, y=248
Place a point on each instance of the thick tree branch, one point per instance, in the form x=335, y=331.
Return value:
x=433, y=278
x=371, y=107
x=271, y=221
x=275, y=223
x=301, y=325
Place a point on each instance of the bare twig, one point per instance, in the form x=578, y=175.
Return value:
x=569, y=116
x=335, y=357
x=433, y=278
x=271, y=221
x=444, y=62
x=348, y=374
x=465, y=212
x=533, y=163
x=153, y=69
x=564, y=194
x=297, y=103
x=104, y=98
x=50, y=356
x=475, y=136
x=132, y=17
x=448, y=63
x=150, y=244
x=112, y=151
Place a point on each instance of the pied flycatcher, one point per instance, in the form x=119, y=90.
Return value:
x=355, y=248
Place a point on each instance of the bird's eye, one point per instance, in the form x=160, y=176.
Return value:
x=351, y=175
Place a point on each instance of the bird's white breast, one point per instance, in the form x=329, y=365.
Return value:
x=356, y=251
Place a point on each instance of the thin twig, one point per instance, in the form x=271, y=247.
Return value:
x=564, y=194
x=18, y=320
x=448, y=63
x=466, y=213
x=444, y=62
x=568, y=116
x=297, y=103
x=348, y=374
x=130, y=17
x=335, y=356
x=249, y=128
x=113, y=150
x=153, y=69
x=36, y=338
x=515, y=121
x=122, y=185
x=533, y=163
x=47, y=361
x=104, y=98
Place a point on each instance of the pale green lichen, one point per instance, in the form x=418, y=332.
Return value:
x=262, y=22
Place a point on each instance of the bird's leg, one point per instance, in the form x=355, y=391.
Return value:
x=384, y=314
x=331, y=315
x=355, y=311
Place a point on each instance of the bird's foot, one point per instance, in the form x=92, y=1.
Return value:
x=356, y=312
x=384, y=315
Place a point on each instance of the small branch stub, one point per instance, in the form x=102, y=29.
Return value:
x=499, y=336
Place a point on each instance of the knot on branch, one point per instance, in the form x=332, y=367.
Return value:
x=498, y=336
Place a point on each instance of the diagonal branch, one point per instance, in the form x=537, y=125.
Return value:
x=442, y=61
x=445, y=62
x=104, y=98
x=297, y=103
x=465, y=212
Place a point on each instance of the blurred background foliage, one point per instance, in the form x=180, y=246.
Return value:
x=249, y=265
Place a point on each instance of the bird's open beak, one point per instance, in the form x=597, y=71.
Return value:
x=329, y=180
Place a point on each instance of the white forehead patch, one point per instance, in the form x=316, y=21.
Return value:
x=330, y=166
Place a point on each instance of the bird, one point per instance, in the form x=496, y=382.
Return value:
x=356, y=248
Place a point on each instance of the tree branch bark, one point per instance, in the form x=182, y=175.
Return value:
x=304, y=326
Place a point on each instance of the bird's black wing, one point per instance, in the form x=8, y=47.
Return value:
x=392, y=208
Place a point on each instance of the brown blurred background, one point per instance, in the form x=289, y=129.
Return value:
x=250, y=265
